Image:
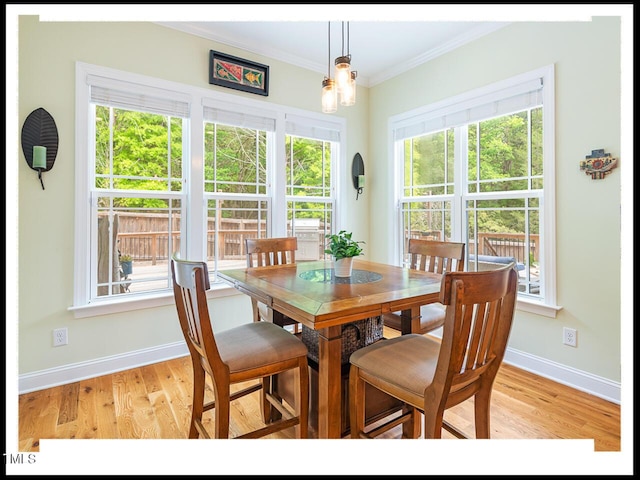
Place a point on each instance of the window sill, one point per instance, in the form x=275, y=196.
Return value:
x=539, y=308
x=139, y=302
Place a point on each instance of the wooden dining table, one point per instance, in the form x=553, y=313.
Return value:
x=311, y=294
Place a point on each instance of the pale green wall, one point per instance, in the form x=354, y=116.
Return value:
x=587, y=59
x=587, y=76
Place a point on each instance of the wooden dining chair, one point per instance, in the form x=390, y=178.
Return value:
x=263, y=252
x=430, y=256
x=252, y=351
x=431, y=376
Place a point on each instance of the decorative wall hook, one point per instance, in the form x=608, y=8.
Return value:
x=357, y=172
x=598, y=164
x=40, y=141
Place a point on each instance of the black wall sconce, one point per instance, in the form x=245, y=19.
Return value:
x=357, y=172
x=40, y=141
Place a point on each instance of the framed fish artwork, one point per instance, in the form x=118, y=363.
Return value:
x=237, y=73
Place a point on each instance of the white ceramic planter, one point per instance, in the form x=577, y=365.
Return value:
x=342, y=267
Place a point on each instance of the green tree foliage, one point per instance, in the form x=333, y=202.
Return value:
x=498, y=160
x=235, y=159
x=138, y=151
x=308, y=167
x=308, y=173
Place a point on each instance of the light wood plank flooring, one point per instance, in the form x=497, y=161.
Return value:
x=154, y=402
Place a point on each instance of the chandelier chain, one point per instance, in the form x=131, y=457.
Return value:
x=329, y=50
x=348, y=51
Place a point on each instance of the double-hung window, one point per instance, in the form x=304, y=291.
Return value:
x=134, y=170
x=238, y=161
x=312, y=151
x=479, y=168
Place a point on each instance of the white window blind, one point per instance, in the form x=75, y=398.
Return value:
x=135, y=97
x=239, y=119
x=500, y=102
x=304, y=127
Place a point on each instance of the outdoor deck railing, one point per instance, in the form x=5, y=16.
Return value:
x=495, y=244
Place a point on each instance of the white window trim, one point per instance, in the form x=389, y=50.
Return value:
x=198, y=98
x=546, y=307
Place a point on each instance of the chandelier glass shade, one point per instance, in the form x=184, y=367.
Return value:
x=343, y=72
x=348, y=95
x=329, y=96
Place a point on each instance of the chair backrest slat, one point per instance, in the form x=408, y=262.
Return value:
x=262, y=252
x=435, y=256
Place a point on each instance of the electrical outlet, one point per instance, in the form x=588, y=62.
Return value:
x=60, y=337
x=570, y=336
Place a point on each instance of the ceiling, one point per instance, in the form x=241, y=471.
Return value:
x=379, y=49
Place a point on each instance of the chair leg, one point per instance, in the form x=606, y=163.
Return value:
x=265, y=405
x=482, y=412
x=302, y=399
x=222, y=413
x=356, y=402
x=197, y=406
x=273, y=413
x=433, y=422
x=411, y=428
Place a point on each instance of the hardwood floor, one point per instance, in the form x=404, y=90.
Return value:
x=154, y=402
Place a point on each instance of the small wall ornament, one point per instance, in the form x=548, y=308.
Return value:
x=598, y=164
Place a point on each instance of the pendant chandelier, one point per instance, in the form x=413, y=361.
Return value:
x=345, y=79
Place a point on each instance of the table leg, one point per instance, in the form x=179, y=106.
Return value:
x=329, y=382
x=410, y=320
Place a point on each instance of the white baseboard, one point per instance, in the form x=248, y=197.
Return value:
x=586, y=382
x=53, y=377
x=578, y=379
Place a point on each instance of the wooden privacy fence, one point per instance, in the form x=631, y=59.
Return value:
x=154, y=246
x=145, y=237
x=148, y=246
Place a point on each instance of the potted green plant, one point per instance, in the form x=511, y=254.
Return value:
x=343, y=248
x=126, y=263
